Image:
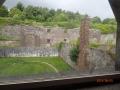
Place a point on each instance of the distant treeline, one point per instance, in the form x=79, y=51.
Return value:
x=52, y=17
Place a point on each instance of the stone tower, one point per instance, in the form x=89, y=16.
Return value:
x=84, y=45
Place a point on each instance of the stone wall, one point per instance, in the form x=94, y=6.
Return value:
x=98, y=59
x=9, y=43
x=29, y=34
x=65, y=54
x=28, y=52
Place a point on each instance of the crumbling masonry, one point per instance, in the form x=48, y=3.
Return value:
x=84, y=45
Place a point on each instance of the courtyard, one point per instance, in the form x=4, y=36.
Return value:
x=31, y=65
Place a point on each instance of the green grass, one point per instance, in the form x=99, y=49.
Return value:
x=6, y=38
x=94, y=45
x=3, y=21
x=31, y=65
x=11, y=21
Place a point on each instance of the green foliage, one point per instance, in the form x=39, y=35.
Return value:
x=3, y=11
x=36, y=13
x=75, y=42
x=17, y=17
x=49, y=24
x=28, y=12
x=105, y=28
x=37, y=16
x=60, y=46
x=5, y=38
x=60, y=17
x=15, y=22
x=15, y=12
x=3, y=21
x=20, y=6
x=74, y=53
x=31, y=65
x=94, y=45
x=68, y=25
x=96, y=20
x=109, y=21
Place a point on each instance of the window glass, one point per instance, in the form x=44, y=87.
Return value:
x=49, y=38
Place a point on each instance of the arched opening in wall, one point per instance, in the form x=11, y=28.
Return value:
x=60, y=56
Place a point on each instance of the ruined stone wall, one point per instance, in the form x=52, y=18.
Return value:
x=65, y=54
x=28, y=52
x=9, y=43
x=98, y=59
x=41, y=35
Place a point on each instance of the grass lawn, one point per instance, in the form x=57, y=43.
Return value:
x=31, y=65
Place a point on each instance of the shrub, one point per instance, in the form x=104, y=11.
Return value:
x=94, y=45
x=14, y=11
x=14, y=22
x=48, y=23
x=5, y=38
x=74, y=54
x=3, y=11
x=60, y=45
x=67, y=25
x=105, y=28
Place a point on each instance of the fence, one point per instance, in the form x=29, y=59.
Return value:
x=28, y=52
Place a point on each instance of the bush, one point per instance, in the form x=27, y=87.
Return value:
x=3, y=21
x=48, y=24
x=5, y=38
x=3, y=11
x=67, y=25
x=94, y=45
x=105, y=28
x=15, y=22
x=15, y=11
x=74, y=54
x=60, y=46
x=17, y=17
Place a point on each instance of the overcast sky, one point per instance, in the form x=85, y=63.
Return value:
x=93, y=8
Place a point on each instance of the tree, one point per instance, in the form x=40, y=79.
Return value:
x=20, y=6
x=105, y=28
x=61, y=17
x=96, y=20
x=109, y=21
x=28, y=12
x=3, y=11
x=15, y=12
x=70, y=15
x=1, y=2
